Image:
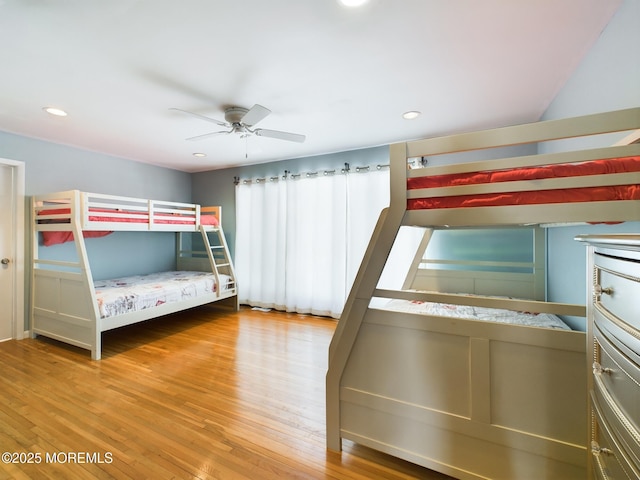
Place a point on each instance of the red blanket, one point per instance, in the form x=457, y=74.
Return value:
x=589, y=194
x=54, y=238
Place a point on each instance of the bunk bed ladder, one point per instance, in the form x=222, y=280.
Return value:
x=219, y=257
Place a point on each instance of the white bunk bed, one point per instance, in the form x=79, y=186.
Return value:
x=475, y=399
x=68, y=305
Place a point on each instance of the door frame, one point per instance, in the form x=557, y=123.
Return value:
x=18, y=321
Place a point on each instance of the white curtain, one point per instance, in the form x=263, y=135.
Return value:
x=260, y=243
x=300, y=241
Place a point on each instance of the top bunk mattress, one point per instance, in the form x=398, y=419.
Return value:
x=468, y=312
x=128, y=216
x=529, y=197
x=50, y=238
x=57, y=215
x=138, y=292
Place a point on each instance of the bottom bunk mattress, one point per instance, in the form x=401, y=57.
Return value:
x=129, y=294
x=544, y=320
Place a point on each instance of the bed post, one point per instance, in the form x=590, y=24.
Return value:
x=362, y=290
x=80, y=201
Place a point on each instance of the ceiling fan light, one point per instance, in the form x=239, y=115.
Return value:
x=239, y=130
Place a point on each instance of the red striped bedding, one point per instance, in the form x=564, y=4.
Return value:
x=54, y=238
x=586, y=194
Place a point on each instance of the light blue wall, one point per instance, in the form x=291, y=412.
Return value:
x=50, y=167
x=607, y=79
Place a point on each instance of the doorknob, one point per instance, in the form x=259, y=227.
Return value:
x=5, y=261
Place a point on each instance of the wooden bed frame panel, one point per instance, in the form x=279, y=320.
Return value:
x=437, y=375
x=470, y=399
x=62, y=308
x=627, y=210
x=64, y=305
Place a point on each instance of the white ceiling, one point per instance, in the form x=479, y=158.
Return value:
x=342, y=77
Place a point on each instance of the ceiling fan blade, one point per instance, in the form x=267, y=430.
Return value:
x=202, y=117
x=208, y=135
x=255, y=114
x=291, y=137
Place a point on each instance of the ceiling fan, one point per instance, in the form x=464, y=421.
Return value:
x=241, y=121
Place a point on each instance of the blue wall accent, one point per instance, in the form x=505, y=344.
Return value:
x=51, y=167
x=121, y=253
x=607, y=79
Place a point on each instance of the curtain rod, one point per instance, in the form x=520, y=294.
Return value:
x=287, y=174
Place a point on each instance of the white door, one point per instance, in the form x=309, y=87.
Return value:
x=7, y=255
x=12, y=271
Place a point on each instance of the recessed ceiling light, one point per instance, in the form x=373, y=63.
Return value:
x=198, y=154
x=411, y=115
x=55, y=111
x=352, y=3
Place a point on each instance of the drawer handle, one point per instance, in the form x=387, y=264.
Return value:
x=599, y=369
x=596, y=449
x=599, y=290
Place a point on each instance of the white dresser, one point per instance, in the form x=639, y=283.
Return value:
x=613, y=336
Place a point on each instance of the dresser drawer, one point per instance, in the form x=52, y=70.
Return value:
x=610, y=462
x=616, y=388
x=617, y=288
x=619, y=334
x=619, y=375
x=617, y=298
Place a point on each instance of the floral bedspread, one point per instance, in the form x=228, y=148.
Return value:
x=545, y=320
x=137, y=292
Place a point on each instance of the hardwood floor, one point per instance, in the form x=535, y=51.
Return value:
x=209, y=393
